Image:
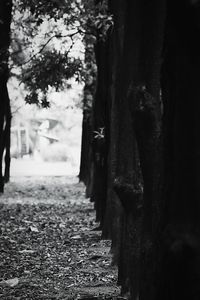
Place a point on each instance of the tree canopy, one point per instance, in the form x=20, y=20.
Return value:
x=48, y=40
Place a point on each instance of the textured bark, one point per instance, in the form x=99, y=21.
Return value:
x=135, y=159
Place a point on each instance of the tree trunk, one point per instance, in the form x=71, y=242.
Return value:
x=135, y=141
x=85, y=174
x=7, y=132
x=5, y=17
x=179, y=267
x=101, y=128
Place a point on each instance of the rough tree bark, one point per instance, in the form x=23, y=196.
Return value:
x=135, y=141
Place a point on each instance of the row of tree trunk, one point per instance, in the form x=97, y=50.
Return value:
x=143, y=173
x=141, y=142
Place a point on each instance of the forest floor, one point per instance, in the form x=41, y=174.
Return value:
x=48, y=246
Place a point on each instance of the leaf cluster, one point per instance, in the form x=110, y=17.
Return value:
x=51, y=69
x=54, y=9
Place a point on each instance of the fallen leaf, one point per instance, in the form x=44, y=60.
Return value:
x=76, y=237
x=10, y=282
x=26, y=251
x=61, y=225
x=34, y=229
x=21, y=228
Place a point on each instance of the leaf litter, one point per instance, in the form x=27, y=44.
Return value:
x=49, y=249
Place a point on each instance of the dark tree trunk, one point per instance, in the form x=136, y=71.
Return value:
x=135, y=156
x=179, y=273
x=7, y=132
x=5, y=17
x=85, y=175
x=86, y=165
x=101, y=128
x=145, y=34
x=111, y=226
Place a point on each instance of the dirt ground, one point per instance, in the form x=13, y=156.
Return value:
x=48, y=246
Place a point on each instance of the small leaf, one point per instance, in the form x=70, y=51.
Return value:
x=26, y=251
x=10, y=282
x=34, y=229
x=76, y=237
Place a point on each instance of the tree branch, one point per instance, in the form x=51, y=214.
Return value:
x=47, y=42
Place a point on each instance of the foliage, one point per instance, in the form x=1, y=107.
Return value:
x=56, y=69
x=53, y=9
x=98, y=19
x=44, y=43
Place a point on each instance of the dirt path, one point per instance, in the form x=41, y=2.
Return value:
x=48, y=249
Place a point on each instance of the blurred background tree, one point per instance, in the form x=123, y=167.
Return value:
x=48, y=58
